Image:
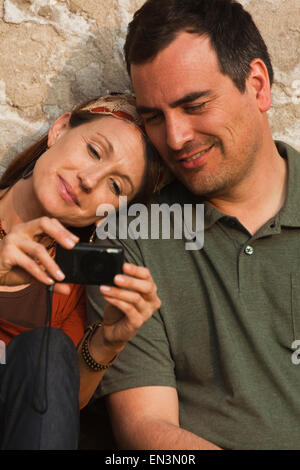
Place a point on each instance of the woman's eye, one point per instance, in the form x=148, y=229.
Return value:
x=94, y=152
x=116, y=188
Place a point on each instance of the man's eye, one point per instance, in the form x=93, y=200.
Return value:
x=152, y=118
x=195, y=107
x=94, y=152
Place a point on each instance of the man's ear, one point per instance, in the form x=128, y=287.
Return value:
x=58, y=128
x=259, y=83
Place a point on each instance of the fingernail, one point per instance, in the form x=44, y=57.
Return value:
x=70, y=242
x=60, y=274
x=105, y=288
x=50, y=281
x=119, y=279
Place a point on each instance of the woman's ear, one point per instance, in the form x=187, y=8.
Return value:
x=58, y=128
x=259, y=82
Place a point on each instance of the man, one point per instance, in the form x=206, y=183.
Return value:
x=213, y=367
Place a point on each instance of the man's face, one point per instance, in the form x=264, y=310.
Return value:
x=205, y=129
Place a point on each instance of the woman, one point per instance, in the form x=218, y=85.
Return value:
x=90, y=156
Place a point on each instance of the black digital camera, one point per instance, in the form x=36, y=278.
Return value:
x=90, y=264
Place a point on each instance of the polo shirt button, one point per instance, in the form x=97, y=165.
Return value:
x=249, y=250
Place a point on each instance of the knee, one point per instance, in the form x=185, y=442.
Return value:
x=29, y=345
x=59, y=343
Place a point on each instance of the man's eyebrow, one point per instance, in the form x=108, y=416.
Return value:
x=147, y=110
x=191, y=97
x=185, y=99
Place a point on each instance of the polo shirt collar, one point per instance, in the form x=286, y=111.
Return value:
x=211, y=215
x=289, y=215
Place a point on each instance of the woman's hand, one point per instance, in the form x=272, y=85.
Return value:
x=129, y=306
x=24, y=258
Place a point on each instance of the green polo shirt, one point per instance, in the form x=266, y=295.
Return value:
x=223, y=335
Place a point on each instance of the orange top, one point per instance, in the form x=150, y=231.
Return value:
x=68, y=314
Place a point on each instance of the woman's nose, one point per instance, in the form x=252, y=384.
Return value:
x=85, y=184
x=89, y=178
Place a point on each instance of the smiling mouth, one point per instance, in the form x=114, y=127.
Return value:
x=67, y=192
x=196, y=156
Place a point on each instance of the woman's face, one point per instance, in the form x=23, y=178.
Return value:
x=86, y=166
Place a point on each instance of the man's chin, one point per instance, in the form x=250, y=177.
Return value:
x=205, y=189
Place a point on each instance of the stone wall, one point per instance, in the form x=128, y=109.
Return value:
x=57, y=53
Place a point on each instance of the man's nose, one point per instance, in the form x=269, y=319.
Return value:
x=179, y=131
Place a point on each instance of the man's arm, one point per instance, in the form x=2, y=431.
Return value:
x=148, y=418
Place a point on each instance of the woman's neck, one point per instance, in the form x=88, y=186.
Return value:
x=19, y=204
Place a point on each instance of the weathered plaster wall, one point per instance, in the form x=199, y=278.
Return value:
x=57, y=53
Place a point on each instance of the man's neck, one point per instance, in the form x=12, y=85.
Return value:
x=260, y=196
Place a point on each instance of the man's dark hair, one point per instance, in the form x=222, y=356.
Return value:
x=232, y=32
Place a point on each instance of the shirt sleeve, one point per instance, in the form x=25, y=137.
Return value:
x=146, y=359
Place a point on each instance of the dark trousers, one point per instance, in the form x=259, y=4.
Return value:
x=29, y=417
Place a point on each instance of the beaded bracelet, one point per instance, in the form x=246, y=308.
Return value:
x=85, y=353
